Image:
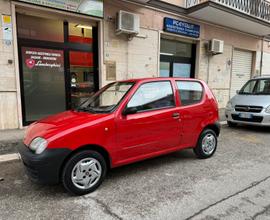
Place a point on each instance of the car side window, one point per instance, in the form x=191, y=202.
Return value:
x=153, y=95
x=190, y=92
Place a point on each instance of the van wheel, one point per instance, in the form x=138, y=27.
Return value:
x=84, y=172
x=231, y=124
x=207, y=144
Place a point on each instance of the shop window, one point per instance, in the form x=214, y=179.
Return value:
x=37, y=28
x=190, y=92
x=175, y=48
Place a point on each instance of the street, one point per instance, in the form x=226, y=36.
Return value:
x=234, y=184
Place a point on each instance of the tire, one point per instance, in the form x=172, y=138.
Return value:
x=231, y=124
x=84, y=172
x=207, y=137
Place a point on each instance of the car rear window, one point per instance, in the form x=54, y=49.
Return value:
x=190, y=92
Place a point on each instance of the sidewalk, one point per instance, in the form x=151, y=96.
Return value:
x=9, y=140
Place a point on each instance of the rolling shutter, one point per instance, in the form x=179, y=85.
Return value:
x=241, y=70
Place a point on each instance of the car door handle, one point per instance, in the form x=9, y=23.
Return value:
x=176, y=115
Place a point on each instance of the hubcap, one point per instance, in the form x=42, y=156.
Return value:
x=209, y=144
x=86, y=173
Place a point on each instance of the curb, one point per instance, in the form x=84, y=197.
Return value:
x=9, y=157
x=8, y=147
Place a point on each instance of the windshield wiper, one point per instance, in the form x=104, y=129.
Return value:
x=86, y=109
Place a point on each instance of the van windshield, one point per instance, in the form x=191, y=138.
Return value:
x=107, y=99
x=256, y=87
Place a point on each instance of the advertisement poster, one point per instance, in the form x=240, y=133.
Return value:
x=7, y=29
x=88, y=7
x=42, y=58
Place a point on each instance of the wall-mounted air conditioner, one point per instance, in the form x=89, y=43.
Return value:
x=127, y=23
x=216, y=46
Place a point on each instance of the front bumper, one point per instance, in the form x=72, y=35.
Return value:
x=259, y=119
x=43, y=168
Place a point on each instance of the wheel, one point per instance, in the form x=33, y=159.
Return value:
x=231, y=124
x=207, y=144
x=84, y=172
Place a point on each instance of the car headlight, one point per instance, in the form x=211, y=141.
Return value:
x=38, y=145
x=229, y=105
x=268, y=109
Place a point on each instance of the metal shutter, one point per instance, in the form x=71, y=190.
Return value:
x=241, y=70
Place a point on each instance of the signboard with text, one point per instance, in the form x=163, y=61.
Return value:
x=87, y=7
x=181, y=27
x=35, y=58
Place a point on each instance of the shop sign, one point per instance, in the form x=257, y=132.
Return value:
x=181, y=27
x=37, y=57
x=88, y=7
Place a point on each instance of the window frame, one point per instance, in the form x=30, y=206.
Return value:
x=179, y=93
x=154, y=109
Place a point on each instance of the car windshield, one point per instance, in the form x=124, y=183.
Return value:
x=256, y=87
x=107, y=99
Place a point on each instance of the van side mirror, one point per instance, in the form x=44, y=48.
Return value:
x=237, y=91
x=130, y=111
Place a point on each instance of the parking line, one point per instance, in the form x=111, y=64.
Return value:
x=9, y=157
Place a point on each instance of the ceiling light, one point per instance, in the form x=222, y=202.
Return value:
x=84, y=26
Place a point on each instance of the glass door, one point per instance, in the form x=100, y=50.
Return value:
x=82, y=72
x=43, y=82
x=58, y=65
x=81, y=77
x=177, y=59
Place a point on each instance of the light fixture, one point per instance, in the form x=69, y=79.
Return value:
x=167, y=54
x=84, y=26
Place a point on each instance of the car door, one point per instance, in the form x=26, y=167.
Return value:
x=194, y=110
x=154, y=127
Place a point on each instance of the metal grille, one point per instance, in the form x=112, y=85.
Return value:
x=246, y=108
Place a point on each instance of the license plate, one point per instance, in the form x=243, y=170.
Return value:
x=245, y=115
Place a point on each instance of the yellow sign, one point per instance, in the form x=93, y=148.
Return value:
x=6, y=19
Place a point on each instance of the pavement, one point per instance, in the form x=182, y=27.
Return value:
x=9, y=140
x=234, y=184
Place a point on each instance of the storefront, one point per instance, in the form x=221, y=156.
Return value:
x=58, y=62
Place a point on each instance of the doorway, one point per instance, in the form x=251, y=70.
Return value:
x=58, y=65
x=177, y=59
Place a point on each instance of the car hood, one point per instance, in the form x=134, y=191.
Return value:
x=55, y=124
x=255, y=100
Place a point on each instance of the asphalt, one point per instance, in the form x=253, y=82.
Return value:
x=234, y=184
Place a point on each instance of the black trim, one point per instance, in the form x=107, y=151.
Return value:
x=44, y=168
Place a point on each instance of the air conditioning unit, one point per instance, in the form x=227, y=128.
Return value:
x=216, y=46
x=127, y=23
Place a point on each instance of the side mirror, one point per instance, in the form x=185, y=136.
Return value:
x=130, y=111
x=237, y=91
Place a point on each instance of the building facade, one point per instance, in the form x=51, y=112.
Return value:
x=55, y=55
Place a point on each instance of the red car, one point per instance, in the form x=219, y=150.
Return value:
x=124, y=122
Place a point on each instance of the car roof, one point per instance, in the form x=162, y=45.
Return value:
x=159, y=79
x=262, y=77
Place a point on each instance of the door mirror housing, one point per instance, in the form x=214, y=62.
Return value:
x=130, y=111
x=237, y=91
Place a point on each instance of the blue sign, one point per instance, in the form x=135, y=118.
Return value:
x=181, y=27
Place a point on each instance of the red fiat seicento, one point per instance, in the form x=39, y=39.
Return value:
x=125, y=122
